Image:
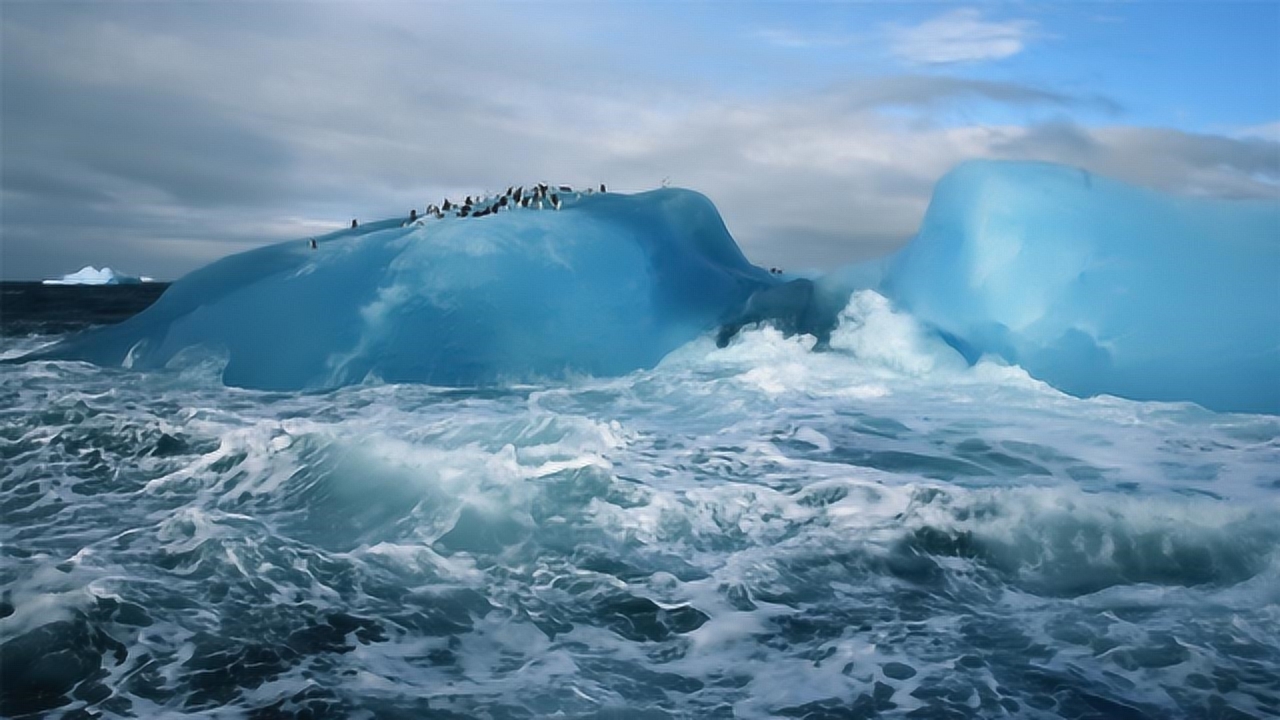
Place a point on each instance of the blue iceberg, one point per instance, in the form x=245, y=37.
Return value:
x=1089, y=284
x=1095, y=286
x=608, y=284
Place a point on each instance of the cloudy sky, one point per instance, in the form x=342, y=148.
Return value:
x=156, y=136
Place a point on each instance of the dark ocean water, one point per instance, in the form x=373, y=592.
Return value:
x=753, y=532
x=30, y=308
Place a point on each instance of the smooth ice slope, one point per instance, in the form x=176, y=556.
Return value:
x=90, y=275
x=1099, y=287
x=609, y=284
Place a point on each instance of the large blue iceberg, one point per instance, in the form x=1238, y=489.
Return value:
x=1089, y=284
x=608, y=284
x=1095, y=286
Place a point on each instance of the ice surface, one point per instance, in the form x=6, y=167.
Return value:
x=608, y=284
x=1099, y=287
x=90, y=275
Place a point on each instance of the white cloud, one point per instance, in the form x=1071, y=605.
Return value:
x=960, y=36
x=1267, y=131
x=796, y=39
x=242, y=137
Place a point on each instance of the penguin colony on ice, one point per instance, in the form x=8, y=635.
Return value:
x=538, y=197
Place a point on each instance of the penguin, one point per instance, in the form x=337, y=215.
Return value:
x=519, y=193
x=602, y=188
x=312, y=243
x=555, y=201
x=542, y=188
x=502, y=201
x=413, y=215
x=447, y=206
x=464, y=212
x=354, y=224
x=524, y=202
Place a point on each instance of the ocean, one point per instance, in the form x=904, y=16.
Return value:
x=759, y=531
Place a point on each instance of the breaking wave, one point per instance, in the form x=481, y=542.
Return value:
x=756, y=531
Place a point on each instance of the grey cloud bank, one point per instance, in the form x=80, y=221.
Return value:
x=158, y=137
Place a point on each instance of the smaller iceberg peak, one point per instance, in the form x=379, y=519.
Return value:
x=90, y=275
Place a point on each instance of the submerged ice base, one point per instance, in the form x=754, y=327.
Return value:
x=607, y=285
x=1095, y=286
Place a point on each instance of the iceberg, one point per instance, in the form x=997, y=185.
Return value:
x=90, y=275
x=608, y=284
x=1091, y=285
x=1098, y=287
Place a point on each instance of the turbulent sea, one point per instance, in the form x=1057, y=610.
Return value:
x=760, y=531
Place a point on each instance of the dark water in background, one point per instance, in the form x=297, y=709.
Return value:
x=755, y=532
x=31, y=308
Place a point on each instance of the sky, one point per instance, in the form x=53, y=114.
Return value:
x=154, y=137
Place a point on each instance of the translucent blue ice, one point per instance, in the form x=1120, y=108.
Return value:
x=1100, y=287
x=608, y=284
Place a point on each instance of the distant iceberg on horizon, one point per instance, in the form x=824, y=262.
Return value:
x=90, y=275
x=1089, y=284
